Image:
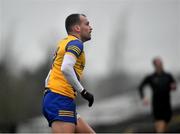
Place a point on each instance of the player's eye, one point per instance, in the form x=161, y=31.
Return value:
x=87, y=23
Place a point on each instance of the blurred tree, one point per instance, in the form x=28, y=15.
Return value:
x=21, y=96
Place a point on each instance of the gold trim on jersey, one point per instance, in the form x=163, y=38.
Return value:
x=75, y=48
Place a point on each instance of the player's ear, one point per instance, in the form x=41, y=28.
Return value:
x=77, y=28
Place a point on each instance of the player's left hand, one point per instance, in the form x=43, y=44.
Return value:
x=145, y=101
x=88, y=96
x=173, y=86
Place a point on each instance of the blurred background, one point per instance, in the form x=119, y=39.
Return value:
x=127, y=35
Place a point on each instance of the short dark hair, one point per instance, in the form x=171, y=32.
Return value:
x=71, y=20
x=154, y=59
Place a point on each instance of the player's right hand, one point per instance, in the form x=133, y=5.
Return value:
x=145, y=101
x=88, y=96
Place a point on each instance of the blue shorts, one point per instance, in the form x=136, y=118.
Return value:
x=58, y=107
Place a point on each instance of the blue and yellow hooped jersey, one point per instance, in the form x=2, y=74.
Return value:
x=55, y=80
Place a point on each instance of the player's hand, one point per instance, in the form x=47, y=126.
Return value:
x=173, y=86
x=145, y=101
x=88, y=96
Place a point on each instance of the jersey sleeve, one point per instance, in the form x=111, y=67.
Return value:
x=75, y=47
x=172, y=80
x=145, y=81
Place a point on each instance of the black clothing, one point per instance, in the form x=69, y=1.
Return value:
x=160, y=85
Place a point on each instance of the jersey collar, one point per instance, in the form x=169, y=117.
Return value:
x=73, y=36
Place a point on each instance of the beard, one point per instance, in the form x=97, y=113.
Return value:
x=86, y=38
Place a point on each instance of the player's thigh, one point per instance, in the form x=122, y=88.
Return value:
x=161, y=126
x=62, y=127
x=83, y=127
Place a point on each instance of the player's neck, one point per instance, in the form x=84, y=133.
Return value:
x=159, y=71
x=76, y=35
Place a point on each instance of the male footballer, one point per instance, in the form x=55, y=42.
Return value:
x=63, y=80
